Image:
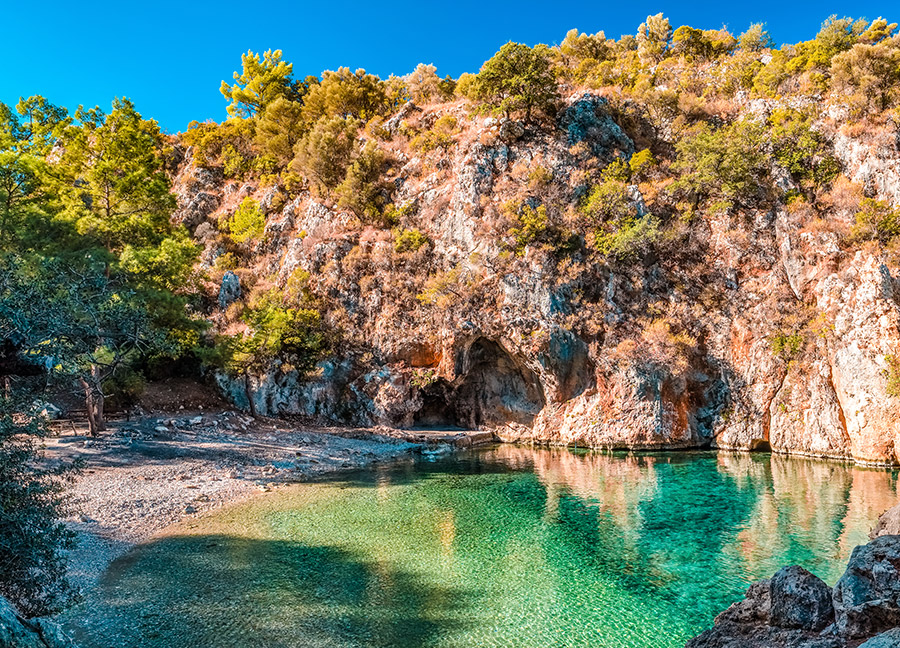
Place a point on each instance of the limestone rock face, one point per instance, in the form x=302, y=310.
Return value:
x=889, y=639
x=18, y=632
x=788, y=325
x=630, y=409
x=888, y=523
x=229, y=290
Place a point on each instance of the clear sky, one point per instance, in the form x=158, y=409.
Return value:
x=170, y=56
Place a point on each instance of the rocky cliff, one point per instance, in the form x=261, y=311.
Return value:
x=760, y=326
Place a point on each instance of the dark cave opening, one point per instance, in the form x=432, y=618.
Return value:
x=492, y=388
x=760, y=445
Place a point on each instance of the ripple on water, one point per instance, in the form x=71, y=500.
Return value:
x=506, y=547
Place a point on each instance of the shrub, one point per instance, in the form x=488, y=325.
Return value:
x=445, y=289
x=278, y=130
x=364, y=190
x=345, y=94
x=248, y=222
x=869, y=75
x=324, y=153
x=438, y=136
x=34, y=540
x=409, y=240
x=876, y=220
x=728, y=164
x=786, y=345
x=210, y=141
x=640, y=164
x=800, y=150
x=892, y=375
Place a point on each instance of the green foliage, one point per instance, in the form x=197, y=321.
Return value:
x=344, y=94
x=364, y=189
x=641, y=163
x=248, y=222
x=612, y=220
x=701, y=44
x=279, y=128
x=627, y=237
x=836, y=35
x=531, y=226
x=34, y=539
x=440, y=135
x=869, y=75
x=27, y=134
x=892, y=375
x=324, y=153
x=756, y=39
x=653, y=38
x=424, y=85
x=116, y=189
x=516, y=79
x=876, y=220
x=211, y=141
x=577, y=48
x=800, y=150
x=277, y=330
x=409, y=240
x=445, y=289
x=786, y=345
x=261, y=82
x=727, y=164
x=608, y=200
x=168, y=266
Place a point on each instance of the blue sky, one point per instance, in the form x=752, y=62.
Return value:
x=170, y=56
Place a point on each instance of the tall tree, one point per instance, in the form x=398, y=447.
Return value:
x=27, y=134
x=518, y=78
x=261, y=81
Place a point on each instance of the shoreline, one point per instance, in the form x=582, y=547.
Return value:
x=144, y=475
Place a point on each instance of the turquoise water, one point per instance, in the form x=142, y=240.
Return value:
x=507, y=547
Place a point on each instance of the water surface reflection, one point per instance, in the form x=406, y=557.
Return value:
x=509, y=546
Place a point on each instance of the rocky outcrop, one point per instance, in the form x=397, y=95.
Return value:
x=19, y=632
x=796, y=609
x=789, y=327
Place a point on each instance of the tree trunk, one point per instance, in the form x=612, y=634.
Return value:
x=249, y=394
x=94, y=402
x=89, y=405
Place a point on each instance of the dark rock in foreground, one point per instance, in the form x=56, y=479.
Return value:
x=18, y=632
x=796, y=609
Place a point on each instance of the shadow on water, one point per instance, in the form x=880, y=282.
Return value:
x=211, y=591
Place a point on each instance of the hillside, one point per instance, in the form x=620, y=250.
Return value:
x=693, y=258
x=682, y=238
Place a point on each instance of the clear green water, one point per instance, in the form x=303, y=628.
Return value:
x=508, y=547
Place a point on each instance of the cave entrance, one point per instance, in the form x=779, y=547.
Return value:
x=760, y=445
x=492, y=388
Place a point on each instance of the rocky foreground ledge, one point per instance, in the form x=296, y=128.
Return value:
x=19, y=632
x=796, y=609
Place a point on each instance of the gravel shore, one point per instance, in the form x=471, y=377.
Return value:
x=145, y=474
